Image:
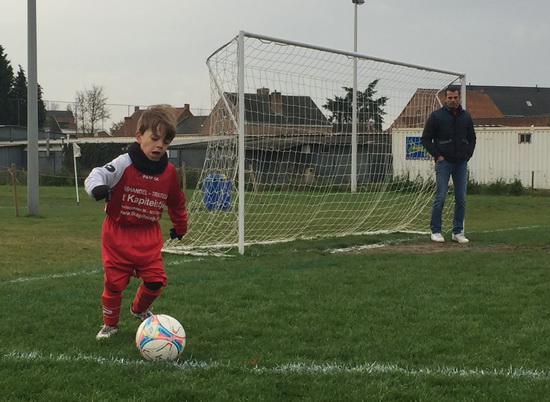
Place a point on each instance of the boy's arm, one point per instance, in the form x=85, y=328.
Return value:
x=99, y=182
x=176, y=208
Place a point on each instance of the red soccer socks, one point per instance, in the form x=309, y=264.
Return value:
x=111, y=302
x=144, y=298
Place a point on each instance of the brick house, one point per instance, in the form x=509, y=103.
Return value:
x=489, y=106
x=129, y=126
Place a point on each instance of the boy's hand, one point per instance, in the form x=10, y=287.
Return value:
x=174, y=234
x=102, y=192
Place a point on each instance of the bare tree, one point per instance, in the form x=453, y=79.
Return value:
x=90, y=107
x=116, y=127
x=79, y=111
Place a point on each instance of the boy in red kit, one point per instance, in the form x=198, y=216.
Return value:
x=137, y=186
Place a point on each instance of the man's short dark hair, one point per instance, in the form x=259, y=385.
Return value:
x=452, y=88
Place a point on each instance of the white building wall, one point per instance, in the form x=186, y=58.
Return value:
x=499, y=155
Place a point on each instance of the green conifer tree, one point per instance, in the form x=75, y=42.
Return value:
x=6, y=79
x=18, y=97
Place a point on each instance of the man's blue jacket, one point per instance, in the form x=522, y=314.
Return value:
x=448, y=135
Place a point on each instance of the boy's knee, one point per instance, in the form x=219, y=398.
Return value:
x=112, y=290
x=113, y=287
x=153, y=285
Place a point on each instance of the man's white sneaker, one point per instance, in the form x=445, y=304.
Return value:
x=459, y=237
x=437, y=237
x=106, y=332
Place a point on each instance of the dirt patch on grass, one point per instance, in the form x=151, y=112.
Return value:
x=432, y=247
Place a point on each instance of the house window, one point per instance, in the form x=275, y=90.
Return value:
x=524, y=138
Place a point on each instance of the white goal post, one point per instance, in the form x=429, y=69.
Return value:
x=289, y=160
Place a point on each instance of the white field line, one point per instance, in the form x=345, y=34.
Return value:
x=183, y=261
x=298, y=368
x=53, y=276
x=70, y=274
x=356, y=248
x=507, y=229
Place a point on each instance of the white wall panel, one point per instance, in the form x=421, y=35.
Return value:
x=499, y=155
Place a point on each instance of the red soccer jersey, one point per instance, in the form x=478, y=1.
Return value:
x=138, y=198
x=131, y=235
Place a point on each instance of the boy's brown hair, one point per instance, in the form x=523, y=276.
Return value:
x=159, y=115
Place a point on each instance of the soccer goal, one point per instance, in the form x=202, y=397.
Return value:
x=302, y=146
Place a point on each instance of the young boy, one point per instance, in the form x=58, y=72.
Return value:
x=137, y=186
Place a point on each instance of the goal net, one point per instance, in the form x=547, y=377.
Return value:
x=302, y=146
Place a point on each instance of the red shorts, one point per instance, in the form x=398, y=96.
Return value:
x=131, y=251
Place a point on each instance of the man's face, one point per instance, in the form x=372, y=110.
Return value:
x=152, y=144
x=452, y=99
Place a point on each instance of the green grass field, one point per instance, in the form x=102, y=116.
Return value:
x=285, y=322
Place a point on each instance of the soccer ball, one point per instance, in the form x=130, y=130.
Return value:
x=160, y=337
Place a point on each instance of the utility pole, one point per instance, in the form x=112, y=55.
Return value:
x=32, y=112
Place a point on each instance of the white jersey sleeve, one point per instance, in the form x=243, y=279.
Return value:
x=107, y=175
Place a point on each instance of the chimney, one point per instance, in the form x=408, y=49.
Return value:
x=186, y=106
x=262, y=91
x=136, y=108
x=276, y=100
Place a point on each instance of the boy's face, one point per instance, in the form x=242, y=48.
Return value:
x=152, y=144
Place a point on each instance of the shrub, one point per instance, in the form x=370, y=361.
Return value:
x=499, y=187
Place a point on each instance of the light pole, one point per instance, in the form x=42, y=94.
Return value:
x=32, y=112
x=357, y=3
x=354, y=105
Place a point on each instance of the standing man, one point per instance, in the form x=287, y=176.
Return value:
x=450, y=138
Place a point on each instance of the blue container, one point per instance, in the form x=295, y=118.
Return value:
x=216, y=191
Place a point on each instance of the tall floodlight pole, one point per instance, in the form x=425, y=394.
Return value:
x=354, y=106
x=32, y=112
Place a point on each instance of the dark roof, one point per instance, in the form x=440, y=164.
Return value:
x=191, y=125
x=60, y=113
x=517, y=101
x=295, y=110
x=52, y=123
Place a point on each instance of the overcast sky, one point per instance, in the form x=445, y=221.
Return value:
x=145, y=52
